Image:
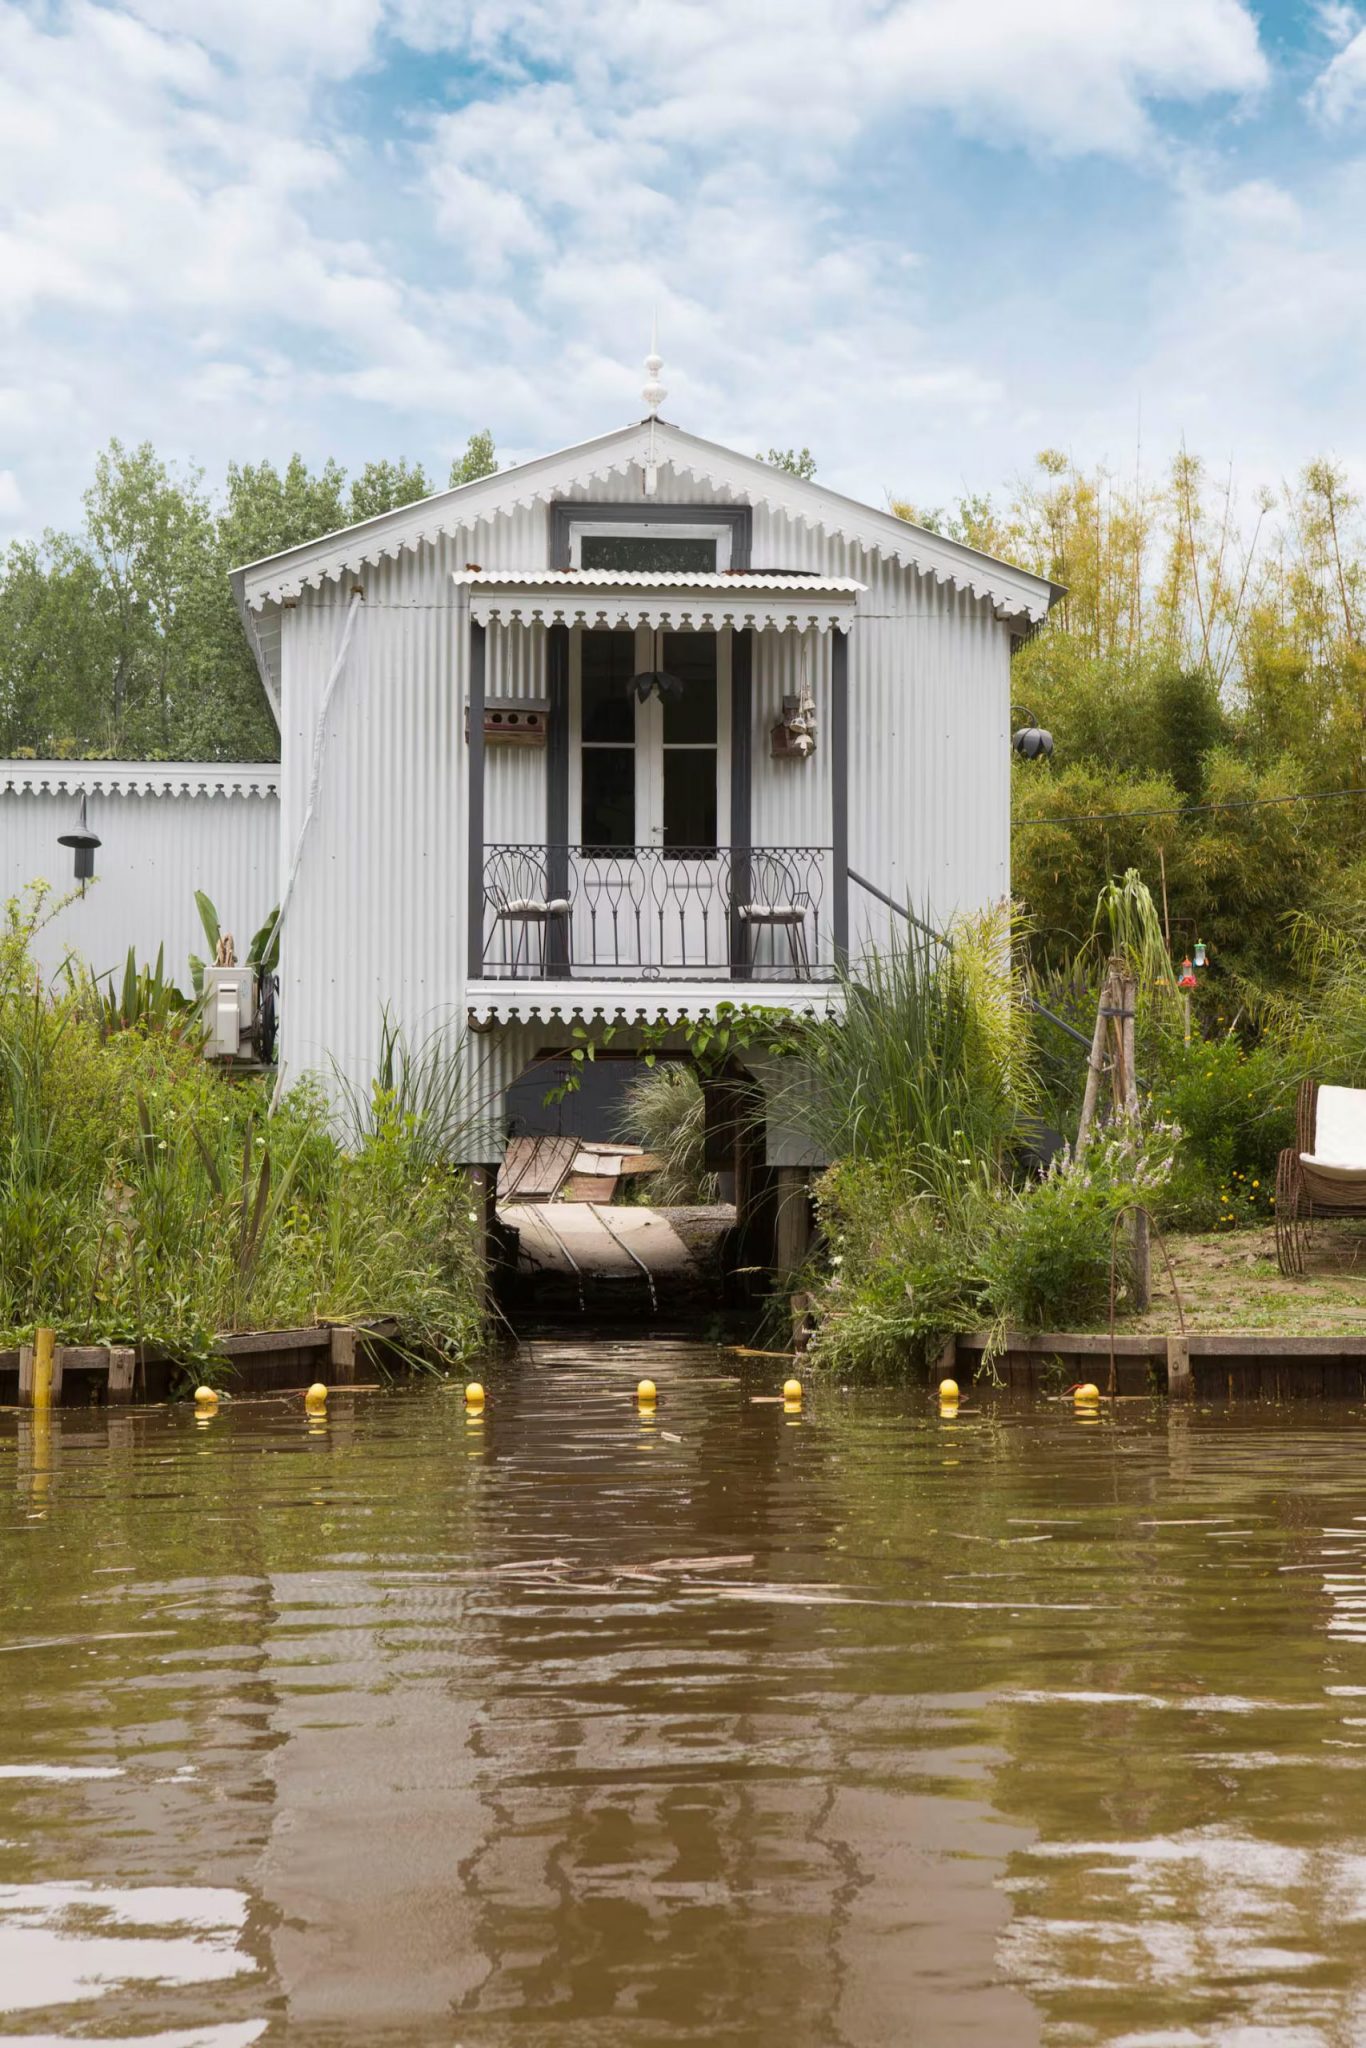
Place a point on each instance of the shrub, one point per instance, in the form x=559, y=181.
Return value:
x=1236, y=1109
x=665, y=1112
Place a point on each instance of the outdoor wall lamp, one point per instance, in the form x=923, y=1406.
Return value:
x=1033, y=743
x=657, y=679
x=84, y=841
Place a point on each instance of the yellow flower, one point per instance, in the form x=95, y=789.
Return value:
x=1256, y=1183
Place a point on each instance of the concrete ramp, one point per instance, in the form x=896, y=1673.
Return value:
x=580, y=1251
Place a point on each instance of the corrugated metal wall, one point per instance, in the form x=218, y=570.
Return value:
x=378, y=915
x=185, y=828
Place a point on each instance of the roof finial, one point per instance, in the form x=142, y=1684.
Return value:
x=653, y=392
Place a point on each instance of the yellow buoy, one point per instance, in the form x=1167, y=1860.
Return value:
x=948, y=1390
x=792, y=1390
x=474, y=1395
x=1086, y=1396
x=646, y=1391
x=205, y=1397
x=315, y=1400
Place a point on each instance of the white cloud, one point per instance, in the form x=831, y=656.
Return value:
x=1339, y=91
x=11, y=498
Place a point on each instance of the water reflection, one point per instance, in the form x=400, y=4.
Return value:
x=565, y=1722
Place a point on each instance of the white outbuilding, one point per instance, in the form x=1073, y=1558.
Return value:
x=618, y=735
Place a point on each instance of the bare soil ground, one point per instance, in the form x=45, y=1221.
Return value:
x=1231, y=1282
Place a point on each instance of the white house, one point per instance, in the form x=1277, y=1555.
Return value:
x=622, y=733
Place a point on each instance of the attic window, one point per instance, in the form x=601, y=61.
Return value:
x=652, y=547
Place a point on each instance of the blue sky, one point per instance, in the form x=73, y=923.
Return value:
x=926, y=237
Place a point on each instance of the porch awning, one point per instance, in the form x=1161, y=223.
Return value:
x=675, y=602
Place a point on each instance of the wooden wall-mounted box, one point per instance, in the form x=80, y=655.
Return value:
x=514, y=721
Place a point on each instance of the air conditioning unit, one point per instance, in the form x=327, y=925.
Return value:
x=239, y=1015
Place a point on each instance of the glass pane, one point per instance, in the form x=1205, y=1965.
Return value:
x=690, y=716
x=609, y=797
x=646, y=551
x=609, y=705
x=690, y=800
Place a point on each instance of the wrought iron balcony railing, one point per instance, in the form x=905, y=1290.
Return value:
x=751, y=914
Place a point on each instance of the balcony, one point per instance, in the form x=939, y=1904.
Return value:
x=647, y=913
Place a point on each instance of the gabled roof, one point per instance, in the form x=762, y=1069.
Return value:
x=1012, y=592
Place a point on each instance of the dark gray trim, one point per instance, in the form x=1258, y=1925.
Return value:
x=475, y=851
x=741, y=789
x=839, y=788
x=557, y=790
x=564, y=512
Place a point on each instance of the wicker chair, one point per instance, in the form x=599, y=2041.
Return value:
x=1320, y=1175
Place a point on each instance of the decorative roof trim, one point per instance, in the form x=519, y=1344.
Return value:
x=140, y=778
x=548, y=597
x=1012, y=593
x=647, y=1002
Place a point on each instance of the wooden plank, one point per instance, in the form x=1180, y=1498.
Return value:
x=25, y=1375
x=260, y=1343
x=534, y=1169
x=1179, y=1368
x=589, y=1187
x=122, y=1361
x=84, y=1358
x=343, y=1360
x=1203, y=1344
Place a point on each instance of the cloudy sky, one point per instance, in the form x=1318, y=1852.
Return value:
x=927, y=237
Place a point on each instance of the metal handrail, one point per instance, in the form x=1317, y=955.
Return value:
x=903, y=910
x=756, y=912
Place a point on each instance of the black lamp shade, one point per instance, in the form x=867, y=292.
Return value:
x=84, y=841
x=1033, y=743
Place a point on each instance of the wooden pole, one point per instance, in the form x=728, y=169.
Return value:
x=1179, y=1368
x=1096, y=1063
x=1143, y=1278
x=42, y=1377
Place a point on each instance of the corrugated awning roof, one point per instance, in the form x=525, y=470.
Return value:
x=685, y=600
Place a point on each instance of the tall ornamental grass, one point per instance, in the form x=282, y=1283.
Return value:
x=927, y=1094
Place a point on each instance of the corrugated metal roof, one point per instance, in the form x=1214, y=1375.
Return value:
x=722, y=583
x=1011, y=590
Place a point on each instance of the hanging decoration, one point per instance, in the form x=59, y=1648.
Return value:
x=1187, y=980
x=657, y=678
x=1201, y=957
x=794, y=736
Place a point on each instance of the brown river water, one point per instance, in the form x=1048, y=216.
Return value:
x=727, y=1726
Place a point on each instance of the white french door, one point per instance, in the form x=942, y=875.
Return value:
x=649, y=803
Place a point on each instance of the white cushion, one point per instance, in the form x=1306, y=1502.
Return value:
x=772, y=913
x=1339, y=1132
x=528, y=906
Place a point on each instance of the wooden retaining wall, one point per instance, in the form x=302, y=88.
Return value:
x=1203, y=1367
x=260, y=1361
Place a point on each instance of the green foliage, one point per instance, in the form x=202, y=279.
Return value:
x=478, y=460
x=910, y=1266
x=1236, y=1109
x=145, y=999
x=145, y=1198
x=665, y=1111
x=796, y=461
x=930, y=1064
x=123, y=639
x=424, y=1093
x=383, y=486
